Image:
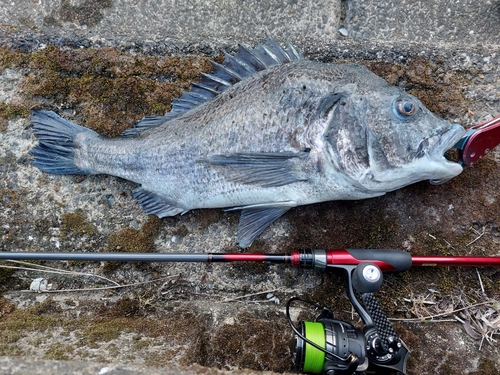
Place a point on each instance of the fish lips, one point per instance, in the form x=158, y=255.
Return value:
x=429, y=163
x=447, y=141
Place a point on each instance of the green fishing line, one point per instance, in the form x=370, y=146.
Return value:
x=314, y=359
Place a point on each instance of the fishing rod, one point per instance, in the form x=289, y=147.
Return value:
x=326, y=346
x=386, y=260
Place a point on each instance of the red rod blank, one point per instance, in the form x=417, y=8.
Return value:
x=462, y=261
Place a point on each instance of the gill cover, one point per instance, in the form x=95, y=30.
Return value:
x=347, y=134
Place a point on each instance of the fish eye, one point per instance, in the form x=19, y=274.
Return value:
x=404, y=108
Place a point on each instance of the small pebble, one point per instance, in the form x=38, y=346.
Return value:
x=343, y=31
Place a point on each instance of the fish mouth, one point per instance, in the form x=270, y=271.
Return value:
x=446, y=141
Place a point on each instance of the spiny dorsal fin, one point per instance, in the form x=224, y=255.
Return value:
x=232, y=70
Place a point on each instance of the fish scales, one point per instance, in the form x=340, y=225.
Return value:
x=263, y=134
x=264, y=127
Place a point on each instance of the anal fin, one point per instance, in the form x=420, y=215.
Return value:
x=152, y=204
x=254, y=220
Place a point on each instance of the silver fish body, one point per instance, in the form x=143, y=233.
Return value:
x=291, y=133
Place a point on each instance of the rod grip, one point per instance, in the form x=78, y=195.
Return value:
x=387, y=260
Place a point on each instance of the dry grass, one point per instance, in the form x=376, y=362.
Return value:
x=478, y=313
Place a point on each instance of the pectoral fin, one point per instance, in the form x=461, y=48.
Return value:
x=265, y=169
x=254, y=220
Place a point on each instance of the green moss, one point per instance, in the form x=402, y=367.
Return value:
x=21, y=320
x=76, y=223
x=10, y=111
x=181, y=327
x=11, y=350
x=152, y=226
x=430, y=80
x=247, y=343
x=14, y=110
x=12, y=58
x=486, y=367
x=6, y=307
x=142, y=344
x=102, y=330
x=124, y=307
x=59, y=352
x=111, y=89
x=131, y=240
x=38, y=318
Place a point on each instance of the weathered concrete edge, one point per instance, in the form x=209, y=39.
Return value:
x=25, y=366
x=28, y=40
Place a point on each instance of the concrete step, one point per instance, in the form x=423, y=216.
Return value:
x=465, y=22
x=209, y=24
x=24, y=366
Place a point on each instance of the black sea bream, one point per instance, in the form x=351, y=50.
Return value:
x=267, y=130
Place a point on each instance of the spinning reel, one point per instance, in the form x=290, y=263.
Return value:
x=333, y=347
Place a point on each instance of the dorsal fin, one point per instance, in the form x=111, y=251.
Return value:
x=144, y=124
x=232, y=70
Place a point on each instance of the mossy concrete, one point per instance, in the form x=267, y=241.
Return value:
x=61, y=59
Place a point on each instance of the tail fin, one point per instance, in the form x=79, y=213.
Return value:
x=56, y=151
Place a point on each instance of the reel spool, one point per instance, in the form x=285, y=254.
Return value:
x=328, y=345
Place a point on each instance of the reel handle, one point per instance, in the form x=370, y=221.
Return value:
x=366, y=279
x=389, y=342
x=384, y=348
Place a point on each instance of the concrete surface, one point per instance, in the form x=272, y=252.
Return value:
x=464, y=22
x=15, y=366
x=457, y=44
x=179, y=22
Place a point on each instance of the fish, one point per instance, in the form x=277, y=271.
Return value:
x=266, y=130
